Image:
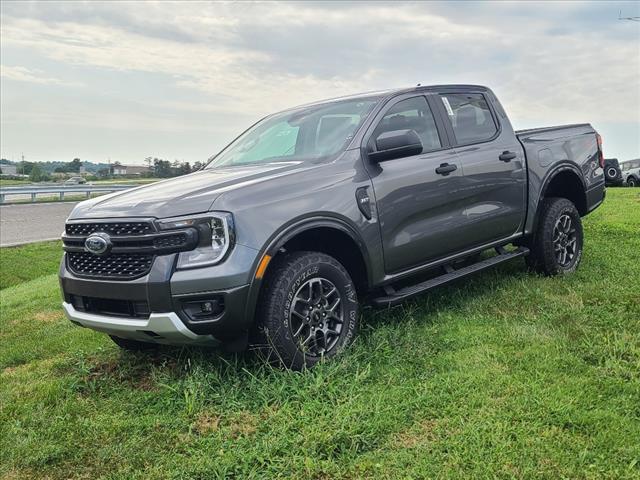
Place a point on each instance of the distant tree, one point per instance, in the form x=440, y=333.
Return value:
x=103, y=172
x=162, y=168
x=185, y=168
x=24, y=168
x=197, y=166
x=74, y=165
x=36, y=174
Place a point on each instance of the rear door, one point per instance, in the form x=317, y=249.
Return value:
x=420, y=210
x=494, y=167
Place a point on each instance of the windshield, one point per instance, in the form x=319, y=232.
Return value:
x=306, y=133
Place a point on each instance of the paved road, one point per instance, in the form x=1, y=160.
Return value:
x=32, y=222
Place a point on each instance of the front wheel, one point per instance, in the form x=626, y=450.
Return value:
x=556, y=247
x=308, y=309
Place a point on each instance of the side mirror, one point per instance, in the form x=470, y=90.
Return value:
x=396, y=144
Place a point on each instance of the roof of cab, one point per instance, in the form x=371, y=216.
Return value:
x=381, y=94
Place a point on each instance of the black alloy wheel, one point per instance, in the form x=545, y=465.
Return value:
x=316, y=317
x=564, y=240
x=308, y=310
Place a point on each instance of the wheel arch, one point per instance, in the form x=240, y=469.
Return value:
x=565, y=181
x=330, y=235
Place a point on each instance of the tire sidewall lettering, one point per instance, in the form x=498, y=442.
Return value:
x=348, y=295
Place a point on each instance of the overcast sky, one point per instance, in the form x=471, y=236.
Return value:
x=178, y=81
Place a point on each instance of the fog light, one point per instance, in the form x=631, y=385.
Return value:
x=207, y=307
x=203, y=309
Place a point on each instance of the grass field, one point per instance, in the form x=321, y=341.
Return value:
x=505, y=375
x=127, y=181
x=6, y=182
x=70, y=197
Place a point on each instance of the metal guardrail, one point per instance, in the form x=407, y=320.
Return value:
x=61, y=190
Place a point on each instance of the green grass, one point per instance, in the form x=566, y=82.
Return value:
x=22, y=264
x=503, y=375
x=69, y=197
x=126, y=181
x=5, y=182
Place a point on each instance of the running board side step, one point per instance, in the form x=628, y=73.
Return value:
x=393, y=296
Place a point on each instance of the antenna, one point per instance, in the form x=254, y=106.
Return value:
x=633, y=19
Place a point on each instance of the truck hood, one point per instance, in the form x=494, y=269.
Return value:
x=189, y=194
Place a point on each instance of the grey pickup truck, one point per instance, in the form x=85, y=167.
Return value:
x=313, y=211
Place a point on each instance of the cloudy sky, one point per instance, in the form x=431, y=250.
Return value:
x=125, y=80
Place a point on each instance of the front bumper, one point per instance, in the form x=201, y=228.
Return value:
x=155, y=307
x=166, y=328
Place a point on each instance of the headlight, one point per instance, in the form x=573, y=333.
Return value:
x=216, y=237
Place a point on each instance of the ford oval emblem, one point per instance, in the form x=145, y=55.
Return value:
x=98, y=243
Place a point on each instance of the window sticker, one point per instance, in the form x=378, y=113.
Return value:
x=445, y=100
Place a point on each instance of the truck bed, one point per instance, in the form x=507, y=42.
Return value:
x=549, y=147
x=528, y=131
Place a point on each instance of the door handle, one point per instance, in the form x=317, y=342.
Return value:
x=507, y=156
x=445, y=169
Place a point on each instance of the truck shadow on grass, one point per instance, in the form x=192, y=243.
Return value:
x=155, y=369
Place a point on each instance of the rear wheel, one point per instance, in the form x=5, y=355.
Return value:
x=556, y=247
x=308, y=309
x=632, y=182
x=133, y=345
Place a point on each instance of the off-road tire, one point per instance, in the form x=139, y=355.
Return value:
x=545, y=255
x=289, y=278
x=632, y=182
x=133, y=345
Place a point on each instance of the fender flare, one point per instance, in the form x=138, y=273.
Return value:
x=289, y=231
x=551, y=174
x=563, y=167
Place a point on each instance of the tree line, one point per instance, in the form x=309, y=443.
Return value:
x=165, y=169
x=44, y=171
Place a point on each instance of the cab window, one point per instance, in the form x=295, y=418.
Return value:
x=413, y=113
x=470, y=117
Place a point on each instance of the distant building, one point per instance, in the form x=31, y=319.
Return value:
x=9, y=169
x=130, y=169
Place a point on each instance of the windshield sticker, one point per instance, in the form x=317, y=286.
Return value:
x=445, y=100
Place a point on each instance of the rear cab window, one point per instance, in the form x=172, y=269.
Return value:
x=470, y=117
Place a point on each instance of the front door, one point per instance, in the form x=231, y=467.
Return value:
x=420, y=210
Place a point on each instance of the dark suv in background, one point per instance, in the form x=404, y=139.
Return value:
x=612, y=173
x=368, y=198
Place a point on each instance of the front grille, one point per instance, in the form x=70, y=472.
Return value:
x=133, y=244
x=121, y=266
x=175, y=240
x=112, y=228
